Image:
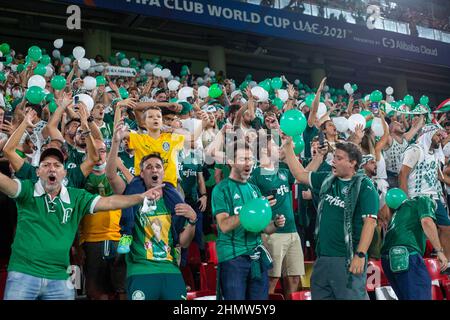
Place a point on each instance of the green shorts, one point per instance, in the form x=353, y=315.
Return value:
x=157, y=286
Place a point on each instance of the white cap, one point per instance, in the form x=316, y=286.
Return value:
x=235, y=93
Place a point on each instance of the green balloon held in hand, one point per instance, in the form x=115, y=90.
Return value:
x=408, y=100
x=2, y=76
x=35, y=53
x=309, y=99
x=101, y=80
x=20, y=67
x=52, y=106
x=293, y=122
x=4, y=48
x=123, y=93
x=299, y=144
x=40, y=69
x=46, y=60
x=376, y=96
x=424, y=100
x=255, y=215
x=265, y=85
x=278, y=103
x=244, y=85
x=395, y=198
x=276, y=83
x=35, y=94
x=215, y=91
x=366, y=113
x=58, y=82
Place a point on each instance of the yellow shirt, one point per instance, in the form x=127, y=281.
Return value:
x=166, y=145
x=100, y=226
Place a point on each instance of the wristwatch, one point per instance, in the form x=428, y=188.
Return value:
x=192, y=223
x=360, y=254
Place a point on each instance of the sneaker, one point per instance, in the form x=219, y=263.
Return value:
x=124, y=244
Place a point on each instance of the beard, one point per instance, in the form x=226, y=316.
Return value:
x=49, y=188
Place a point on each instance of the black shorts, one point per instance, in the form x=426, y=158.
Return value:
x=104, y=269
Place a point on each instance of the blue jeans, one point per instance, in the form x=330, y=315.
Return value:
x=236, y=282
x=21, y=286
x=414, y=284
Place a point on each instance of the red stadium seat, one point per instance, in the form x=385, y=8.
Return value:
x=436, y=292
x=300, y=295
x=208, y=277
x=434, y=270
x=276, y=296
x=198, y=294
x=211, y=252
x=428, y=249
x=375, y=275
x=188, y=277
x=445, y=285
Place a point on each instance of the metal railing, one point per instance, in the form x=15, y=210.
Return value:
x=381, y=24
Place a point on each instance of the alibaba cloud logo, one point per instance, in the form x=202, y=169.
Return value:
x=388, y=43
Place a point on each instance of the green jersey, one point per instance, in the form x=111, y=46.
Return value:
x=98, y=184
x=224, y=168
x=189, y=167
x=228, y=197
x=405, y=228
x=308, y=135
x=128, y=161
x=331, y=232
x=75, y=177
x=152, y=249
x=279, y=184
x=46, y=229
x=107, y=133
x=75, y=158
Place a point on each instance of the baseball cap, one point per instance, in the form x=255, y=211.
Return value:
x=52, y=152
x=187, y=107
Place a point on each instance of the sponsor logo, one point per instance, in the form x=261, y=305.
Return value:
x=388, y=43
x=138, y=295
x=236, y=196
x=166, y=146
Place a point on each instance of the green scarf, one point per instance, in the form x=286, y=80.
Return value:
x=349, y=207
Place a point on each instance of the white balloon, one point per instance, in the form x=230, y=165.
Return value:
x=91, y=70
x=377, y=127
x=165, y=73
x=296, y=82
x=252, y=84
x=1, y=66
x=89, y=83
x=48, y=71
x=125, y=62
x=203, y=92
x=321, y=110
x=1, y=54
x=58, y=43
x=341, y=124
x=93, y=62
x=326, y=88
x=13, y=67
x=389, y=90
x=350, y=91
x=232, y=86
x=78, y=52
x=347, y=86
x=149, y=67
x=66, y=61
x=367, y=98
x=157, y=72
x=56, y=54
x=66, y=68
x=170, y=77
x=37, y=80
x=87, y=100
x=212, y=73
x=173, y=85
x=283, y=95
x=99, y=68
x=200, y=81
x=84, y=63
x=185, y=93
x=206, y=70
x=142, y=72
x=260, y=93
x=177, y=78
x=356, y=119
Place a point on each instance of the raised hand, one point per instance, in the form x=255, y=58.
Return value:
x=359, y=131
x=322, y=84
x=119, y=132
x=154, y=193
x=185, y=210
x=291, y=91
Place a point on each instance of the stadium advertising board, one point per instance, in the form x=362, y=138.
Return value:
x=247, y=18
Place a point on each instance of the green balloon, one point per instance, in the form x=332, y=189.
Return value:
x=58, y=82
x=183, y=73
x=249, y=77
x=265, y=85
x=395, y=198
x=244, y=85
x=35, y=94
x=276, y=83
x=40, y=69
x=215, y=91
x=278, y=103
x=354, y=87
x=185, y=67
x=2, y=76
x=4, y=48
x=309, y=99
x=35, y=53
x=424, y=100
x=293, y=122
x=49, y=97
x=376, y=96
x=46, y=60
x=365, y=113
x=123, y=93
x=9, y=59
x=299, y=144
x=255, y=215
x=52, y=106
x=101, y=81
x=408, y=100
x=20, y=67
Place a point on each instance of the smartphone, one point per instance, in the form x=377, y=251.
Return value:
x=7, y=117
x=375, y=108
x=321, y=139
x=76, y=99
